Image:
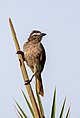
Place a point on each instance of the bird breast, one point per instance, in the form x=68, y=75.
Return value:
x=31, y=53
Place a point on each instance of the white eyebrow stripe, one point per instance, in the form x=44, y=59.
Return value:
x=36, y=34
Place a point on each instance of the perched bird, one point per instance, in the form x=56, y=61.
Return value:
x=35, y=56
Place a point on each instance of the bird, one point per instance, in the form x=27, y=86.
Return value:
x=35, y=57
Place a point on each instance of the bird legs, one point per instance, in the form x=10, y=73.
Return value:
x=26, y=81
x=35, y=72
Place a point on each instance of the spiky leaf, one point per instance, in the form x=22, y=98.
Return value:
x=28, y=103
x=62, y=109
x=67, y=115
x=40, y=104
x=21, y=110
x=18, y=113
x=54, y=105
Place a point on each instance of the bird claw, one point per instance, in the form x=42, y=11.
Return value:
x=28, y=81
x=20, y=52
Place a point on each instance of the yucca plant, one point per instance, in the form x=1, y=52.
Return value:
x=22, y=114
x=35, y=105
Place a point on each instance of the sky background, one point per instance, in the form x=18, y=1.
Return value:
x=60, y=20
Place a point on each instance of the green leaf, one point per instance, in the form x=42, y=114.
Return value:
x=18, y=113
x=67, y=115
x=54, y=105
x=23, y=113
x=62, y=110
x=30, y=107
x=40, y=104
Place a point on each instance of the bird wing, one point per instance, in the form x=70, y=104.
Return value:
x=42, y=58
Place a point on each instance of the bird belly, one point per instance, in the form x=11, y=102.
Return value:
x=30, y=57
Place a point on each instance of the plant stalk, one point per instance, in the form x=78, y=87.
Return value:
x=25, y=75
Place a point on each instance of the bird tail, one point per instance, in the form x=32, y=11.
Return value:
x=39, y=85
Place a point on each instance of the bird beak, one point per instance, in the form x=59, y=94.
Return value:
x=43, y=34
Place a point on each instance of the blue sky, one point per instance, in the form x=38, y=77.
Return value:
x=60, y=20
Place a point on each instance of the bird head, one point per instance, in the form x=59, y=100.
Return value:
x=36, y=36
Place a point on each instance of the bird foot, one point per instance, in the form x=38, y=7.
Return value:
x=22, y=53
x=28, y=81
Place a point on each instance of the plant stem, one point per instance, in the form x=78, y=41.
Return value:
x=25, y=75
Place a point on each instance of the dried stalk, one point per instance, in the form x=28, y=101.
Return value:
x=25, y=75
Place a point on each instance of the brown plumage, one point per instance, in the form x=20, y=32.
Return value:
x=34, y=55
